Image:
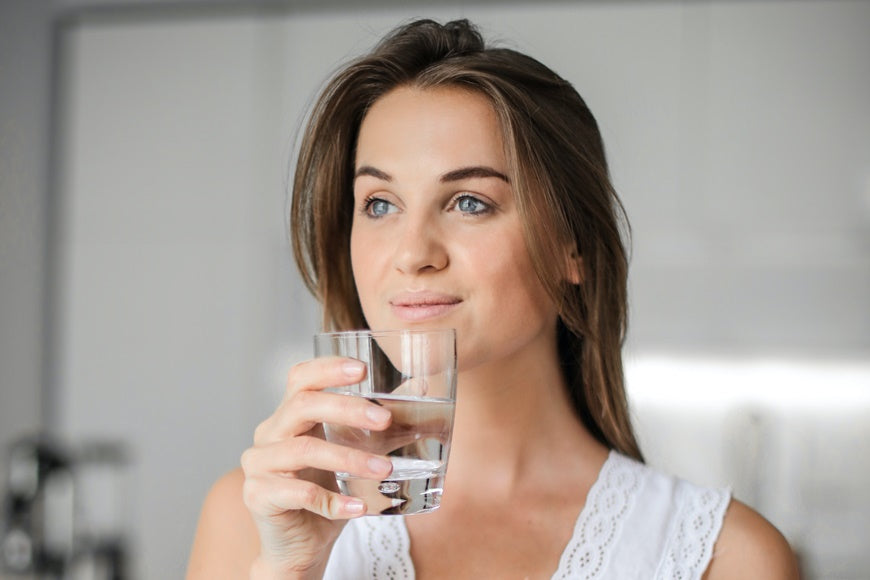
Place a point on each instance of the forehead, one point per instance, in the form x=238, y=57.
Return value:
x=440, y=122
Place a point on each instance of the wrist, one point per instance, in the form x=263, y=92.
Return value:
x=262, y=570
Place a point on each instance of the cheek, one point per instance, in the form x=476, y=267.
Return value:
x=362, y=251
x=514, y=285
x=366, y=266
x=357, y=264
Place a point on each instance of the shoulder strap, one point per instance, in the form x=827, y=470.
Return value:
x=600, y=523
x=698, y=520
x=389, y=547
x=371, y=547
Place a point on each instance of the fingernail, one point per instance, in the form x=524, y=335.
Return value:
x=354, y=506
x=377, y=414
x=380, y=465
x=352, y=368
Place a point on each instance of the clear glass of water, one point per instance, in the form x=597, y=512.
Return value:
x=413, y=374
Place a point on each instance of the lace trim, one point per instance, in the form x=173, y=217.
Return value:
x=601, y=520
x=387, y=542
x=690, y=544
x=687, y=551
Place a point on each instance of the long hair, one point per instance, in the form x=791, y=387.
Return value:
x=559, y=175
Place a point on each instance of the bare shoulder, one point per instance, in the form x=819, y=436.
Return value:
x=750, y=547
x=226, y=539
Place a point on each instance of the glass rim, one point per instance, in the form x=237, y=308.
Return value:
x=387, y=332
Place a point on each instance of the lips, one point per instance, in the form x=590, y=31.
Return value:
x=422, y=305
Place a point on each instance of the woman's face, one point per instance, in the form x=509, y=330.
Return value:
x=437, y=241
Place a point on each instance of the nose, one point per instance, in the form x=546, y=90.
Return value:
x=420, y=247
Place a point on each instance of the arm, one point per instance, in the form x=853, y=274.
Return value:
x=226, y=541
x=750, y=547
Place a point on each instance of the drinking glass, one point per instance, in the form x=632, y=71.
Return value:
x=413, y=374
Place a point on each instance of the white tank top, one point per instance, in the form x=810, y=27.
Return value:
x=636, y=523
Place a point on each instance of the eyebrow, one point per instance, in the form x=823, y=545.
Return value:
x=475, y=171
x=373, y=172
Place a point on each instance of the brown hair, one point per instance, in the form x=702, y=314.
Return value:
x=558, y=172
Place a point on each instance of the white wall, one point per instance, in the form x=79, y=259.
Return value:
x=175, y=272
x=740, y=142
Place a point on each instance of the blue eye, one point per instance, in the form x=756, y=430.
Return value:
x=376, y=207
x=471, y=205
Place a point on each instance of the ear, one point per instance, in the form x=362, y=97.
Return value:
x=574, y=271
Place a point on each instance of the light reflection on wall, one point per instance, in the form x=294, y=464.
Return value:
x=790, y=436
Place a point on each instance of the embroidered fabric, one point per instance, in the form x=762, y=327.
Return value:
x=698, y=520
x=637, y=523
x=389, y=548
x=599, y=524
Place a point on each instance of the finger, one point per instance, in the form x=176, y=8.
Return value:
x=299, y=453
x=323, y=372
x=299, y=414
x=309, y=376
x=274, y=496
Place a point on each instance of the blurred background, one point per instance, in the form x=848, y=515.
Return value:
x=149, y=306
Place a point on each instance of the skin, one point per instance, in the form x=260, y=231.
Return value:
x=437, y=242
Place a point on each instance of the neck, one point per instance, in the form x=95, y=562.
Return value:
x=515, y=423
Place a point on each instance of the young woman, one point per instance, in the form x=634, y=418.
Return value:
x=445, y=184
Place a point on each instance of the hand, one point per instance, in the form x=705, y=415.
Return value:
x=410, y=425
x=289, y=486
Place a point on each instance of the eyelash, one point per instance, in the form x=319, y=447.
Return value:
x=485, y=209
x=454, y=204
x=367, y=206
